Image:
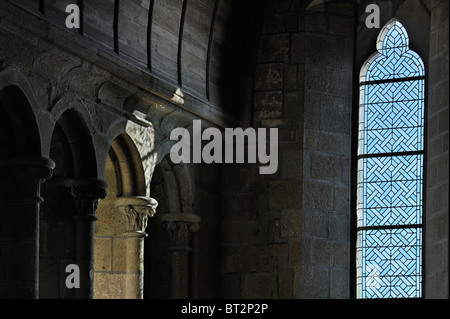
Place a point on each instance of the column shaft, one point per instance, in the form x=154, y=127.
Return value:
x=86, y=194
x=181, y=227
x=19, y=225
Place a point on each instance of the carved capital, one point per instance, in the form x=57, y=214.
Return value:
x=181, y=227
x=21, y=178
x=136, y=209
x=86, y=194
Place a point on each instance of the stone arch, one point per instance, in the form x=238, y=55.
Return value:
x=19, y=131
x=22, y=118
x=69, y=211
x=127, y=163
x=171, y=250
x=73, y=140
x=120, y=230
x=22, y=170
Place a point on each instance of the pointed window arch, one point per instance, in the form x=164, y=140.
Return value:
x=390, y=169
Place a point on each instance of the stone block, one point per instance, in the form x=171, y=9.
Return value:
x=346, y=171
x=439, y=223
x=312, y=22
x=268, y=104
x=322, y=252
x=295, y=251
x=335, y=115
x=293, y=105
x=298, y=48
x=442, y=43
x=339, y=287
x=340, y=82
x=274, y=48
x=311, y=140
x=290, y=223
x=316, y=77
x=285, y=282
x=297, y=283
x=340, y=252
x=340, y=25
x=437, y=256
x=341, y=8
x=437, y=285
x=269, y=76
x=439, y=96
x=324, y=50
x=325, y=167
x=260, y=285
x=280, y=22
x=273, y=256
x=285, y=195
x=306, y=253
x=291, y=80
x=291, y=164
x=125, y=255
x=438, y=68
x=315, y=282
x=314, y=223
x=239, y=232
x=110, y=286
x=102, y=254
x=339, y=144
x=318, y=195
x=439, y=14
x=342, y=198
x=312, y=113
x=339, y=226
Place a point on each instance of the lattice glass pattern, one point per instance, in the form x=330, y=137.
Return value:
x=392, y=266
x=392, y=117
x=390, y=169
x=393, y=60
x=390, y=191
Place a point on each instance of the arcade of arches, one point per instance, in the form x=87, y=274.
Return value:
x=86, y=176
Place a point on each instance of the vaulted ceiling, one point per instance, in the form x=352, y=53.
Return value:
x=194, y=44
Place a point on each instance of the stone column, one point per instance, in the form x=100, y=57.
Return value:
x=86, y=194
x=129, y=245
x=181, y=227
x=20, y=181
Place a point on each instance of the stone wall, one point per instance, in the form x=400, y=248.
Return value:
x=287, y=235
x=437, y=209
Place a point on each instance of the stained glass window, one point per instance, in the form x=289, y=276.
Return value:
x=390, y=169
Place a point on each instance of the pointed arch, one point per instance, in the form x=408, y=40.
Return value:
x=125, y=158
x=73, y=141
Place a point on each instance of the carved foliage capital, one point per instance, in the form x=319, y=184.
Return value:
x=181, y=227
x=86, y=194
x=137, y=210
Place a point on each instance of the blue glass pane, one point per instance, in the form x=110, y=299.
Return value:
x=389, y=264
x=393, y=140
x=392, y=216
x=394, y=91
x=394, y=59
x=394, y=66
x=393, y=117
x=398, y=168
x=390, y=185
